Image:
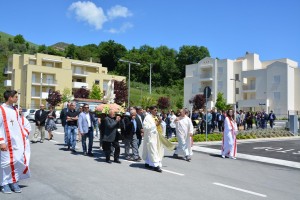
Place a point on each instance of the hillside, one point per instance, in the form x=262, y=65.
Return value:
x=5, y=37
x=60, y=46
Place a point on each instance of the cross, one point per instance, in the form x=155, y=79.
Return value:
x=12, y=122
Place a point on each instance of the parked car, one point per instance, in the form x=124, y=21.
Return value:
x=31, y=113
x=57, y=120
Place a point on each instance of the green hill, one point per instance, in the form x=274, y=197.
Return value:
x=5, y=37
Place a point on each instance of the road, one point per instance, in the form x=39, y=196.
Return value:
x=59, y=174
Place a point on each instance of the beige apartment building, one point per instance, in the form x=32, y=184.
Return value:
x=34, y=75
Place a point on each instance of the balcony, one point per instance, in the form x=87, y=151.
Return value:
x=81, y=74
x=249, y=88
x=45, y=82
x=206, y=66
x=37, y=95
x=253, y=102
x=206, y=77
x=79, y=85
x=7, y=71
x=7, y=83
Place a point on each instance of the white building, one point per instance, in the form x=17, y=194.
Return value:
x=269, y=85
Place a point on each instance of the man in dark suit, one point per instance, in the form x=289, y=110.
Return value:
x=130, y=137
x=140, y=119
x=110, y=137
x=272, y=118
x=63, y=117
x=40, y=117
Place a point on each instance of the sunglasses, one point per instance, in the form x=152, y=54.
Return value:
x=86, y=107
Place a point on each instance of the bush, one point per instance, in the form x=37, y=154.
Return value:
x=252, y=134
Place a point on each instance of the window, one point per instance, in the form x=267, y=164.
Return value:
x=97, y=82
x=195, y=88
x=237, y=77
x=277, y=96
x=220, y=85
x=105, y=86
x=32, y=62
x=276, y=79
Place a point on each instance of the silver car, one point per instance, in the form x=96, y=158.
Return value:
x=31, y=113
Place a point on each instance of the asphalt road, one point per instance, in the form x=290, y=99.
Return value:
x=59, y=174
x=282, y=149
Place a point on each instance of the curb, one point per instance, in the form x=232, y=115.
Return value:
x=261, y=159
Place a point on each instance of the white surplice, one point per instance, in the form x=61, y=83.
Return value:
x=152, y=148
x=184, y=130
x=14, y=164
x=229, y=147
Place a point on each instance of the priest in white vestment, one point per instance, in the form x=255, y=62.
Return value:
x=152, y=147
x=14, y=161
x=229, y=147
x=184, y=132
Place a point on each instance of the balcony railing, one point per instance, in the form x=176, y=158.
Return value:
x=7, y=83
x=206, y=75
x=79, y=85
x=45, y=82
x=249, y=87
x=80, y=73
x=7, y=70
x=37, y=95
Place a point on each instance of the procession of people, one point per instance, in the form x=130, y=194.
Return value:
x=144, y=132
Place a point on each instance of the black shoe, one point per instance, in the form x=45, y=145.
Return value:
x=108, y=161
x=84, y=153
x=73, y=151
x=90, y=154
x=158, y=169
x=117, y=161
x=128, y=158
x=175, y=155
x=147, y=166
x=68, y=147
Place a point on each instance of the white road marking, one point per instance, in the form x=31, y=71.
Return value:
x=53, y=141
x=239, y=189
x=168, y=171
x=59, y=133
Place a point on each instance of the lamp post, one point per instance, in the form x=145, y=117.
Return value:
x=235, y=80
x=129, y=63
x=41, y=88
x=150, y=78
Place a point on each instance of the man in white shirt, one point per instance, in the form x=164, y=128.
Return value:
x=172, y=124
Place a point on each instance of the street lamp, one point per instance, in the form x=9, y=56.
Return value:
x=235, y=80
x=129, y=63
x=41, y=88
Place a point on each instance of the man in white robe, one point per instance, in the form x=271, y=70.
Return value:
x=13, y=161
x=184, y=132
x=152, y=146
x=229, y=146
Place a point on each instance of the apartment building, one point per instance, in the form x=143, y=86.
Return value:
x=35, y=75
x=253, y=84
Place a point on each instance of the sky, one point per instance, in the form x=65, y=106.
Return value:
x=228, y=28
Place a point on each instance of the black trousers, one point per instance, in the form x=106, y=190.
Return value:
x=107, y=149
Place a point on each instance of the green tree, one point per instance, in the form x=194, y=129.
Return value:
x=19, y=39
x=95, y=92
x=109, y=53
x=147, y=101
x=221, y=102
x=66, y=95
x=70, y=51
x=190, y=55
